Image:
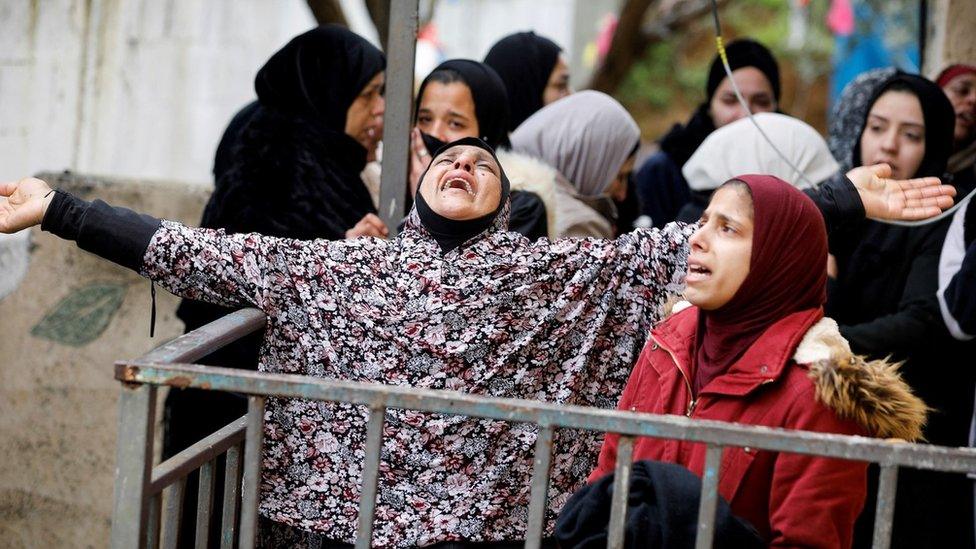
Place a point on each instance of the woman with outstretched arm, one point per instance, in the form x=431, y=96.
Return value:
x=454, y=302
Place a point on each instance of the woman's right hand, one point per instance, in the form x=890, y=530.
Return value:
x=369, y=225
x=23, y=203
x=419, y=159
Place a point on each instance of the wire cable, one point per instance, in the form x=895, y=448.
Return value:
x=720, y=45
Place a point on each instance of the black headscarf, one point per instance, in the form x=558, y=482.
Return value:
x=940, y=122
x=451, y=233
x=524, y=62
x=682, y=141
x=319, y=74
x=488, y=93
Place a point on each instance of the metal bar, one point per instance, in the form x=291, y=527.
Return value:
x=252, y=471
x=621, y=487
x=709, y=497
x=540, y=487
x=152, y=526
x=198, y=454
x=398, y=117
x=371, y=468
x=232, y=484
x=208, y=338
x=174, y=511
x=205, y=494
x=133, y=463
x=919, y=456
x=885, y=511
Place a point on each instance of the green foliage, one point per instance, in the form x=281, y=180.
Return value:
x=671, y=75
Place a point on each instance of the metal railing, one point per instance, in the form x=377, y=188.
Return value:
x=136, y=519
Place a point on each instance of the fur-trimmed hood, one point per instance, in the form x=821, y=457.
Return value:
x=871, y=393
x=567, y=214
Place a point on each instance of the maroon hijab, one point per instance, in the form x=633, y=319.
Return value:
x=787, y=274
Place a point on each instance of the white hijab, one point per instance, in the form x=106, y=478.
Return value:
x=739, y=148
x=587, y=136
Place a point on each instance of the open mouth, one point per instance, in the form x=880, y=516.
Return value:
x=967, y=117
x=457, y=183
x=697, y=273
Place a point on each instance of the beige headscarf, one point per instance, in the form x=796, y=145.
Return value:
x=738, y=148
x=586, y=137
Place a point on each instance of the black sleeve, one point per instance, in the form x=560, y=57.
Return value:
x=117, y=234
x=908, y=330
x=838, y=201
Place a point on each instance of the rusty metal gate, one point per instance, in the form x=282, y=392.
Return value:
x=140, y=521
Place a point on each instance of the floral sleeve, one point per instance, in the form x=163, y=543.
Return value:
x=660, y=256
x=213, y=266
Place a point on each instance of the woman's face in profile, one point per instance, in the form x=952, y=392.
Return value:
x=364, y=118
x=447, y=111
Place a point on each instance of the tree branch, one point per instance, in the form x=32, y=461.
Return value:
x=327, y=11
x=633, y=37
x=379, y=12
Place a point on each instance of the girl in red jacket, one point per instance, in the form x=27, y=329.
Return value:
x=754, y=347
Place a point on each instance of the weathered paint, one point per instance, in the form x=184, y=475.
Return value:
x=379, y=397
x=81, y=316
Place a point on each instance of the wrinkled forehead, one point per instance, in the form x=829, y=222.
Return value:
x=476, y=153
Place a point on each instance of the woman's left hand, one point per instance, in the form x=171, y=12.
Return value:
x=899, y=199
x=23, y=204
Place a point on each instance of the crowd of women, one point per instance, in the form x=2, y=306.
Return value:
x=538, y=261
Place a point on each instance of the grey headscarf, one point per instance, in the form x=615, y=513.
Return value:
x=850, y=110
x=586, y=137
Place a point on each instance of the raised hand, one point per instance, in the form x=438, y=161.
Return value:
x=23, y=203
x=419, y=159
x=369, y=225
x=899, y=199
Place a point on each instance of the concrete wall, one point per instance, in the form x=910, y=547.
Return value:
x=69, y=320
x=468, y=28
x=138, y=88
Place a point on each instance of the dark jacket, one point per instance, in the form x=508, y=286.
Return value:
x=661, y=189
x=662, y=512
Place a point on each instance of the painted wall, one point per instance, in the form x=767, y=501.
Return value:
x=139, y=88
x=69, y=319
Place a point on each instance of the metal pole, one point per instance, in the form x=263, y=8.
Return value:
x=371, y=469
x=252, y=471
x=137, y=407
x=399, y=111
x=709, y=497
x=621, y=489
x=540, y=486
x=885, y=511
x=232, y=483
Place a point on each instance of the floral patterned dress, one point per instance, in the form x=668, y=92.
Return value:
x=558, y=321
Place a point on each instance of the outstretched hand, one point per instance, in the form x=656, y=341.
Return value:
x=899, y=199
x=23, y=203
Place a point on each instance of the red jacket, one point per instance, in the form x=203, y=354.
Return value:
x=793, y=500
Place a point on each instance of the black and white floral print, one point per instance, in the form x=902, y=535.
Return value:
x=558, y=321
